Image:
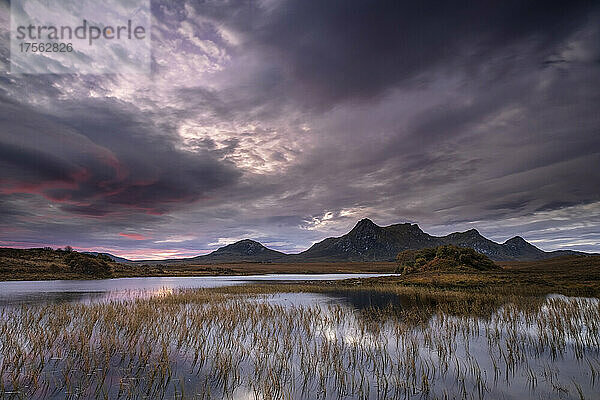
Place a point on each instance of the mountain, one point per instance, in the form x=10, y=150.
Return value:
x=474, y=240
x=518, y=247
x=111, y=256
x=368, y=241
x=243, y=251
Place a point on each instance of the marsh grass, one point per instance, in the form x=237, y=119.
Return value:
x=234, y=343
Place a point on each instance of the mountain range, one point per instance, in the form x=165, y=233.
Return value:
x=368, y=241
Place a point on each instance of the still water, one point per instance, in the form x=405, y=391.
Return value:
x=69, y=340
x=17, y=292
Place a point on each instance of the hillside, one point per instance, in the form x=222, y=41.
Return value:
x=571, y=275
x=369, y=242
x=41, y=264
x=111, y=256
x=243, y=251
x=447, y=258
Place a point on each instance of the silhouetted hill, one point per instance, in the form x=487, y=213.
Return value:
x=111, y=256
x=474, y=240
x=520, y=248
x=368, y=241
x=46, y=263
x=447, y=258
x=242, y=251
x=523, y=250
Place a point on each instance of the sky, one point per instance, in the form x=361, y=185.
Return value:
x=287, y=121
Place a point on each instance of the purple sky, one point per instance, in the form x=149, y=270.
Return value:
x=288, y=121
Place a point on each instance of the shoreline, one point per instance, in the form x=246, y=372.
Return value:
x=241, y=275
x=570, y=275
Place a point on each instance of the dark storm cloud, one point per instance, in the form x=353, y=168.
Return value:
x=354, y=48
x=108, y=161
x=313, y=115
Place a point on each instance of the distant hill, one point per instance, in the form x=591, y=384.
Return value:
x=40, y=264
x=111, y=256
x=243, y=251
x=368, y=241
x=447, y=258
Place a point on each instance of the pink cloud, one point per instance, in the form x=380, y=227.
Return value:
x=134, y=236
x=149, y=253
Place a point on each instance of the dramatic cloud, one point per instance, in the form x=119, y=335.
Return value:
x=354, y=48
x=112, y=161
x=287, y=121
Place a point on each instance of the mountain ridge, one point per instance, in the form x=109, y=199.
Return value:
x=245, y=250
x=367, y=241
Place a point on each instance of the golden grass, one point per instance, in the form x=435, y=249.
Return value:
x=571, y=276
x=40, y=264
x=214, y=343
x=281, y=268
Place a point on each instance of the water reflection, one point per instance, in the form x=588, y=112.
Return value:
x=16, y=292
x=200, y=345
x=374, y=299
x=50, y=297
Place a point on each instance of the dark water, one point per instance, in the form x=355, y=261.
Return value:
x=285, y=345
x=368, y=299
x=16, y=292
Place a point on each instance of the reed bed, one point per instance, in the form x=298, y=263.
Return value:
x=211, y=344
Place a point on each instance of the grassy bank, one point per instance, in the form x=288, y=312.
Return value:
x=573, y=275
x=47, y=264
x=570, y=276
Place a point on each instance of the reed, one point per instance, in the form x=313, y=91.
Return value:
x=233, y=342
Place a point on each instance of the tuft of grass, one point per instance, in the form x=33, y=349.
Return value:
x=233, y=341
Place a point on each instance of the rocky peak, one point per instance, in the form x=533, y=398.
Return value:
x=405, y=227
x=517, y=242
x=366, y=222
x=414, y=227
x=365, y=225
x=474, y=233
x=245, y=246
x=471, y=234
